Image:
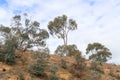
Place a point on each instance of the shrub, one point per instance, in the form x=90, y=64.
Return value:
x=53, y=77
x=2, y=57
x=97, y=67
x=23, y=60
x=21, y=76
x=79, y=68
x=54, y=68
x=10, y=58
x=37, y=69
x=113, y=75
x=40, y=64
x=63, y=64
x=67, y=50
x=7, y=53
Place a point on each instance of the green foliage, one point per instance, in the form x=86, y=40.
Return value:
x=54, y=68
x=37, y=69
x=10, y=58
x=99, y=52
x=27, y=33
x=40, y=64
x=61, y=26
x=79, y=68
x=61, y=51
x=63, y=64
x=23, y=34
x=29, y=36
x=8, y=52
x=21, y=76
x=68, y=50
x=97, y=67
x=2, y=56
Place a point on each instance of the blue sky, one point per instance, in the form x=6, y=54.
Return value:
x=98, y=20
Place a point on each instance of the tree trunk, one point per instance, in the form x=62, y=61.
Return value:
x=66, y=39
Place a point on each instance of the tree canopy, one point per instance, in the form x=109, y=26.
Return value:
x=61, y=26
x=68, y=50
x=26, y=32
x=98, y=52
x=22, y=34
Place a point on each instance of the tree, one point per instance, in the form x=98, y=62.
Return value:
x=68, y=50
x=26, y=32
x=20, y=35
x=29, y=33
x=98, y=52
x=61, y=26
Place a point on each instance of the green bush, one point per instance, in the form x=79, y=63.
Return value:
x=2, y=57
x=63, y=64
x=40, y=65
x=10, y=58
x=53, y=69
x=7, y=52
x=37, y=69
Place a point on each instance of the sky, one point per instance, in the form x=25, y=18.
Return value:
x=98, y=20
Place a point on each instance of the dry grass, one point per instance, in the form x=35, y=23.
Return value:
x=11, y=72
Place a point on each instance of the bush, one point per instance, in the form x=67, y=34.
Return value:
x=63, y=64
x=97, y=67
x=117, y=76
x=23, y=60
x=79, y=68
x=53, y=77
x=2, y=57
x=40, y=64
x=7, y=52
x=67, y=50
x=54, y=68
x=10, y=58
x=37, y=69
x=21, y=76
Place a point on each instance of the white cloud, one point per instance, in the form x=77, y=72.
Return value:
x=98, y=20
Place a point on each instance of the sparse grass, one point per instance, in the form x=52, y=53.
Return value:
x=57, y=72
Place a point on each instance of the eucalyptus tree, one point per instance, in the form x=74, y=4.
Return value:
x=61, y=26
x=26, y=32
x=29, y=33
x=22, y=34
x=99, y=52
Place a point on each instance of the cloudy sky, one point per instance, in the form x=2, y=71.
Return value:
x=98, y=20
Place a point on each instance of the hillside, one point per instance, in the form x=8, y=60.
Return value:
x=19, y=71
